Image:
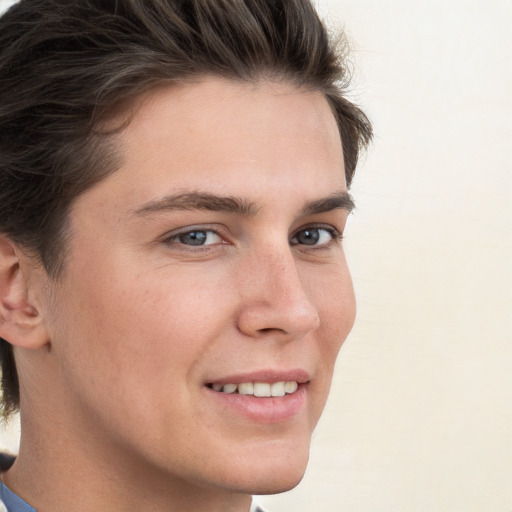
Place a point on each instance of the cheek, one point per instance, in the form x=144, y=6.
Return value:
x=145, y=324
x=134, y=337
x=337, y=309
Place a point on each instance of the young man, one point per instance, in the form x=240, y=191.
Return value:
x=173, y=290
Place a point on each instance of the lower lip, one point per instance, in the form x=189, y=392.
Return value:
x=263, y=410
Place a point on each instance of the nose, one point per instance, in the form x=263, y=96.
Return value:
x=274, y=300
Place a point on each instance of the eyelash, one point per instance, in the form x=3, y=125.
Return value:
x=335, y=237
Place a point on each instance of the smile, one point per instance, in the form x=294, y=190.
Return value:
x=265, y=396
x=258, y=389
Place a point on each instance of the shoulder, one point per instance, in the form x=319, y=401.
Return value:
x=10, y=502
x=6, y=461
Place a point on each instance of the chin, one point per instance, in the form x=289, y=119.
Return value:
x=271, y=473
x=268, y=484
x=279, y=485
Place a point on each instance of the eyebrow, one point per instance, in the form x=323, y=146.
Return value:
x=200, y=201
x=230, y=204
x=338, y=201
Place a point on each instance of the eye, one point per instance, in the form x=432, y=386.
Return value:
x=316, y=236
x=196, y=237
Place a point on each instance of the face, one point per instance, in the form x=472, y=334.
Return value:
x=204, y=275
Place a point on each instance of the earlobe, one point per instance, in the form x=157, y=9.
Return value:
x=20, y=321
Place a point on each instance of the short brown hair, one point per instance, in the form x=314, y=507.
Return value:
x=65, y=66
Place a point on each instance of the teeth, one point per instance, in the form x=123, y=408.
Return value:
x=259, y=389
x=291, y=387
x=229, y=388
x=277, y=389
x=247, y=388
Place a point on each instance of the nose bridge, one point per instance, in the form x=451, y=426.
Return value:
x=282, y=278
x=274, y=297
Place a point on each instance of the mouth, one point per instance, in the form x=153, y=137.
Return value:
x=263, y=396
x=257, y=389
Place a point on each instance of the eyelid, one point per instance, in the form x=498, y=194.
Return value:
x=171, y=236
x=336, y=234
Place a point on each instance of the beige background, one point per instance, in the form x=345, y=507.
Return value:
x=420, y=416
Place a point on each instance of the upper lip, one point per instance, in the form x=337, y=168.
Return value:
x=271, y=376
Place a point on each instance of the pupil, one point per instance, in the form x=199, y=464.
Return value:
x=193, y=238
x=309, y=236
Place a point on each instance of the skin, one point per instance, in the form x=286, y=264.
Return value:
x=115, y=404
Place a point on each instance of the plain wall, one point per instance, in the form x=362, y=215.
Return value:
x=420, y=415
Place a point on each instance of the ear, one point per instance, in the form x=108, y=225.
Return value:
x=20, y=322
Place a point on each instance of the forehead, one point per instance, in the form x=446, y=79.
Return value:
x=219, y=120
x=229, y=138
